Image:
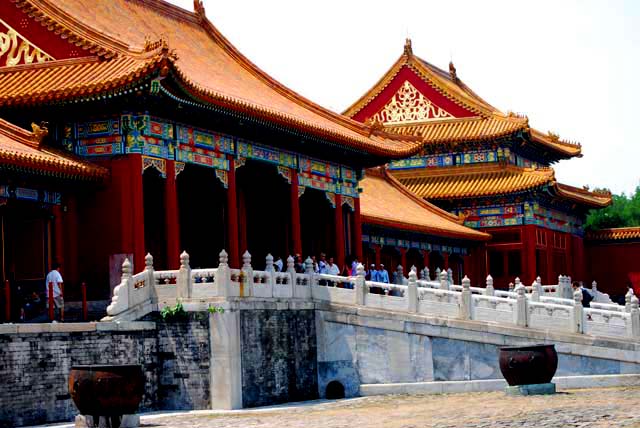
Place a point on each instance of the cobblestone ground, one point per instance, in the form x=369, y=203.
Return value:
x=611, y=407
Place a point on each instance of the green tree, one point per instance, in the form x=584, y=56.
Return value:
x=624, y=211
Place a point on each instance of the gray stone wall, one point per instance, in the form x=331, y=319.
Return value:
x=34, y=366
x=362, y=349
x=279, y=359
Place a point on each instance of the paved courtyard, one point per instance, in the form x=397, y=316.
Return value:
x=612, y=407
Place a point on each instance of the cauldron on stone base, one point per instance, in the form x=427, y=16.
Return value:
x=105, y=393
x=529, y=369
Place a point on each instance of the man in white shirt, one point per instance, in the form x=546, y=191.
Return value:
x=55, y=279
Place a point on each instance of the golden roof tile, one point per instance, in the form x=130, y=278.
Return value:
x=595, y=199
x=385, y=201
x=614, y=234
x=20, y=149
x=473, y=181
x=208, y=65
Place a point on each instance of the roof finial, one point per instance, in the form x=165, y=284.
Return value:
x=452, y=72
x=198, y=8
x=407, y=47
x=39, y=131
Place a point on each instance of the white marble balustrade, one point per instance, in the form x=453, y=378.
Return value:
x=537, y=306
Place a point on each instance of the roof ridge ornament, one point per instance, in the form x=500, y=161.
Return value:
x=452, y=72
x=198, y=8
x=408, y=51
x=39, y=132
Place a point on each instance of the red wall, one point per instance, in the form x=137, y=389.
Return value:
x=610, y=264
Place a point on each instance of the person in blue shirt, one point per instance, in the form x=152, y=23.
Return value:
x=383, y=275
x=373, y=273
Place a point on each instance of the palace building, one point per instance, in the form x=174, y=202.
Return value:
x=488, y=167
x=154, y=134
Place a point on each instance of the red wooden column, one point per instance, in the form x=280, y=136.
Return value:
x=445, y=257
x=172, y=219
x=296, y=235
x=70, y=240
x=530, y=270
x=552, y=275
x=339, y=229
x=403, y=260
x=568, y=253
x=357, y=230
x=58, y=235
x=232, y=220
x=136, y=206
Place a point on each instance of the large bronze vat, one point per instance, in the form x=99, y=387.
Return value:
x=106, y=390
x=528, y=365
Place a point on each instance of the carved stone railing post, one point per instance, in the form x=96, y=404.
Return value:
x=223, y=275
x=437, y=277
x=120, y=299
x=517, y=282
x=465, y=299
x=489, y=290
x=521, y=307
x=291, y=270
x=268, y=264
x=426, y=274
x=444, y=280
x=450, y=277
x=568, y=287
x=627, y=299
x=246, y=284
x=310, y=271
x=412, y=292
x=148, y=268
x=578, y=312
x=183, y=281
x=535, y=292
x=361, y=286
x=635, y=317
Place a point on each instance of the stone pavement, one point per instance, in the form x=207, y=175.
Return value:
x=610, y=407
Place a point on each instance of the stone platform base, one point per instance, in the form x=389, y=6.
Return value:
x=536, y=389
x=127, y=421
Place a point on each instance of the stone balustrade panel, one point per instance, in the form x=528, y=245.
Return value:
x=600, y=322
x=444, y=303
x=550, y=316
x=493, y=309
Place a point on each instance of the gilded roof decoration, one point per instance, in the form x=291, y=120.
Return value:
x=18, y=50
x=385, y=201
x=206, y=65
x=408, y=105
x=21, y=149
x=614, y=234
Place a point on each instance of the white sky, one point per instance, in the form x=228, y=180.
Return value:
x=570, y=66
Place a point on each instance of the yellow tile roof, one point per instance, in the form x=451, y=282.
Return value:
x=473, y=181
x=205, y=64
x=384, y=201
x=460, y=182
x=614, y=234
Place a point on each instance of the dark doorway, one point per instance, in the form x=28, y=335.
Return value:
x=317, y=222
x=335, y=390
x=202, y=210
x=264, y=204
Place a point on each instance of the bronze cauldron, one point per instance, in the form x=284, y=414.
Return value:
x=528, y=365
x=106, y=390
